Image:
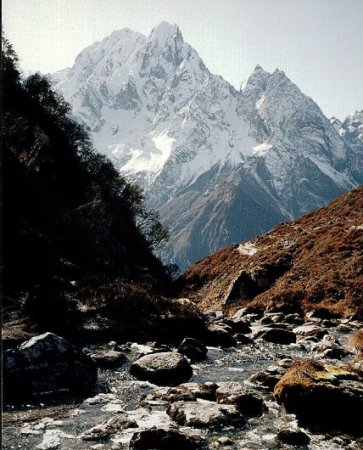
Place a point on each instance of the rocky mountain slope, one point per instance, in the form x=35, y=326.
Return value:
x=221, y=165
x=313, y=262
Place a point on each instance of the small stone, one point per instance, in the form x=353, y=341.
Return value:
x=165, y=439
x=105, y=430
x=109, y=359
x=293, y=437
x=265, y=380
x=206, y=391
x=193, y=349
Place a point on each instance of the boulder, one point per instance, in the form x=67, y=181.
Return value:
x=109, y=359
x=164, y=368
x=239, y=325
x=276, y=336
x=247, y=402
x=329, y=323
x=323, y=313
x=105, y=430
x=206, y=391
x=293, y=319
x=170, y=394
x=166, y=439
x=193, y=349
x=310, y=330
x=220, y=336
x=329, y=348
x=47, y=364
x=265, y=380
x=243, y=340
x=204, y=414
x=293, y=437
x=323, y=396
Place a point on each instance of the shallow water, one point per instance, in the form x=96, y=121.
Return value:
x=59, y=426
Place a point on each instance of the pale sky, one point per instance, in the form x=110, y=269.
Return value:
x=317, y=43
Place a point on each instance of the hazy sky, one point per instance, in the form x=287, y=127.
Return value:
x=317, y=43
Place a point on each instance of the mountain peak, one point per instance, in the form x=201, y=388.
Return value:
x=258, y=68
x=164, y=31
x=256, y=82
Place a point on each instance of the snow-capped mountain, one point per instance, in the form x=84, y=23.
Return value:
x=221, y=165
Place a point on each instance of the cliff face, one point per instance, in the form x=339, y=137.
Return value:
x=315, y=261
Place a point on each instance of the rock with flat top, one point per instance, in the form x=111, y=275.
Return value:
x=205, y=415
x=164, y=368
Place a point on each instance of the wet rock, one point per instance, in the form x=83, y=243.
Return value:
x=243, y=340
x=247, y=402
x=265, y=380
x=342, y=328
x=220, y=336
x=205, y=415
x=275, y=335
x=193, y=349
x=293, y=319
x=47, y=364
x=206, y=391
x=293, y=437
x=323, y=396
x=310, y=330
x=108, y=359
x=106, y=429
x=322, y=313
x=224, y=441
x=239, y=325
x=329, y=323
x=265, y=320
x=169, y=395
x=333, y=353
x=166, y=439
x=330, y=348
x=165, y=368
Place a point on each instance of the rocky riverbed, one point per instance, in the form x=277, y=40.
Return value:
x=225, y=400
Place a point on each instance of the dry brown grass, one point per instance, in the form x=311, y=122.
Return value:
x=357, y=341
x=325, y=249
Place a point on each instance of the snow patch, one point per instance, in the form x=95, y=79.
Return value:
x=248, y=248
x=262, y=149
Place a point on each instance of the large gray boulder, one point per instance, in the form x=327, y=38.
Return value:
x=164, y=368
x=47, y=364
x=205, y=414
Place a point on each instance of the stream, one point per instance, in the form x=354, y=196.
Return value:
x=55, y=425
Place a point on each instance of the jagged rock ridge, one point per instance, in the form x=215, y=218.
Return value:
x=221, y=165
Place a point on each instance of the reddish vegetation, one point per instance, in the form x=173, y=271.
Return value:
x=313, y=262
x=357, y=341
